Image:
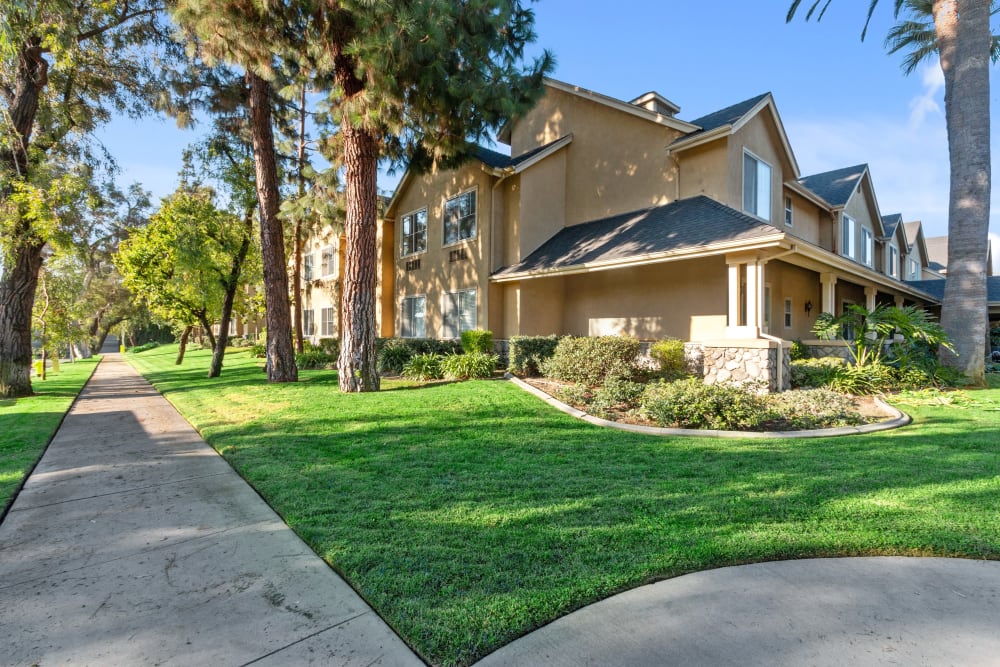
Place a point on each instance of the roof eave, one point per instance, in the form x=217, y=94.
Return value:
x=620, y=105
x=700, y=139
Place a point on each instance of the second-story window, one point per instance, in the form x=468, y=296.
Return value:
x=849, y=237
x=414, y=232
x=329, y=259
x=867, y=247
x=756, y=187
x=893, y=261
x=307, y=266
x=788, y=211
x=460, y=217
x=912, y=269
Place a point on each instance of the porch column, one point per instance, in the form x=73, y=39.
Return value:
x=734, y=295
x=829, y=292
x=870, y=293
x=899, y=301
x=755, y=296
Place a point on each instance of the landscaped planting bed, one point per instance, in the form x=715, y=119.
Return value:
x=469, y=513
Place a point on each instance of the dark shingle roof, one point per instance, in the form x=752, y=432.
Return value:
x=891, y=222
x=685, y=224
x=727, y=116
x=835, y=186
x=500, y=161
x=936, y=288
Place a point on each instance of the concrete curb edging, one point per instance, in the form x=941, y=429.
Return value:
x=899, y=419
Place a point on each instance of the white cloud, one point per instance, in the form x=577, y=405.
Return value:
x=928, y=101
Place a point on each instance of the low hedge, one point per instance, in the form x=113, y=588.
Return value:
x=528, y=353
x=477, y=340
x=593, y=360
x=811, y=373
x=693, y=404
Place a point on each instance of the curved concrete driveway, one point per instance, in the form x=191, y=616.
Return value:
x=843, y=611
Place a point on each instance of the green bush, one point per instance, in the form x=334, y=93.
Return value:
x=669, y=354
x=617, y=394
x=871, y=378
x=574, y=394
x=477, y=340
x=257, y=351
x=815, y=372
x=425, y=366
x=799, y=351
x=471, y=365
x=142, y=348
x=330, y=346
x=812, y=408
x=393, y=356
x=692, y=404
x=240, y=342
x=315, y=358
x=593, y=360
x=528, y=353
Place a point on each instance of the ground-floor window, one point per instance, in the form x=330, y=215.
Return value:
x=329, y=322
x=414, y=317
x=308, y=322
x=459, y=310
x=788, y=313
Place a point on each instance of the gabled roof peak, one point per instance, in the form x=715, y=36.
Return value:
x=836, y=186
x=653, y=101
x=730, y=115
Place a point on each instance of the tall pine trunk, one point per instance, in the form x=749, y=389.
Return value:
x=277, y=315
x=358, y=363
x=963, y=34
x=297, y=248
x=20, y=277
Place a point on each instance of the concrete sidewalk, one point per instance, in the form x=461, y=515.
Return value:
x=834, y=612
x=134, y=543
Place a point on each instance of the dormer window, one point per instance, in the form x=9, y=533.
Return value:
x=893, y=261
x=788, y=211
x=849, y=237
x=867, y=247
x=756, y=186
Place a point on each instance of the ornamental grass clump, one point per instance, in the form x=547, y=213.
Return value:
x=467, y=366
x=423, y=367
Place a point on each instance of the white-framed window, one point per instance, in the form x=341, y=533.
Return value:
x=307, y=266
x=788, y=211
x=867, y=247
x=460, y=217
x=232, y=326
x=849, y=237
x=414, y=238
x=413, y=320
x=756, y=186
x=328, y=322
x=308, y=322
x=788, y=313
x=893, y=261
x=912, y=269
x=459, y=309
x=329, y=261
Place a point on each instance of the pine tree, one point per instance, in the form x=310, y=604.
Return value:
x=415, y=83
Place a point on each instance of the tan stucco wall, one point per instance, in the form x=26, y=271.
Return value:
x=859, y=207
x=806, y=219
x=540, y=207
x=849, y=292
x=321, y=291
x=686, y=300
x=616, y=162
x=800, y=285
x=437, y=275
x=534, y=307
x=704, y=171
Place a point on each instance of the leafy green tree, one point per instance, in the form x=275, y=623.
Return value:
x=964, y=45
x=182, y=263
x=65, y=68
x=415, y=83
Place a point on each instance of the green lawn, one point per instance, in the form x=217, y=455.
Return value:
x=469, y=514
x=27, y=424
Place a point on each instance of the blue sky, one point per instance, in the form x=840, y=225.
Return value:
x=843, y=102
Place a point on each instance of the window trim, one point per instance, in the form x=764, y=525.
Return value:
x=893, y=253
x=787, y=314
x=848, y=236
x=324, y=330
x=789, y=212
x=867, y=247
x=760, y=161
x=402, y=315
x=308, y=322
x=332, y=247
x=414, y=212
x=444, y=227
x=444, y=312
x=307, y=267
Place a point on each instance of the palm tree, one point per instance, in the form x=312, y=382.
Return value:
x=964, y=44
x=916, y=36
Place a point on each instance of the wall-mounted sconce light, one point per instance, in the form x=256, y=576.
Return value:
x=809, y=307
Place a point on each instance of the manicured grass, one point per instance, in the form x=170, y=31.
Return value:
x=27, y=424
x=469, y=514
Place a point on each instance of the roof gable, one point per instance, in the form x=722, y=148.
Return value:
x=837, y=186
x=728, y=116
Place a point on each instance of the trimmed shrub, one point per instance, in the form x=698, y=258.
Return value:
x=477, y=340
x=330, y=346
x=692, y=404
x=471, y=365
x=528, y=353
x=393, y=356
x=574, y=394
x=669, y=354
x=593, y=360
x=142, y=348
x=810, y=373
x=799, y=351
x=423, y=367
x=617, y=394
x=240, y=342
x=257, y=351
x=314, y=358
